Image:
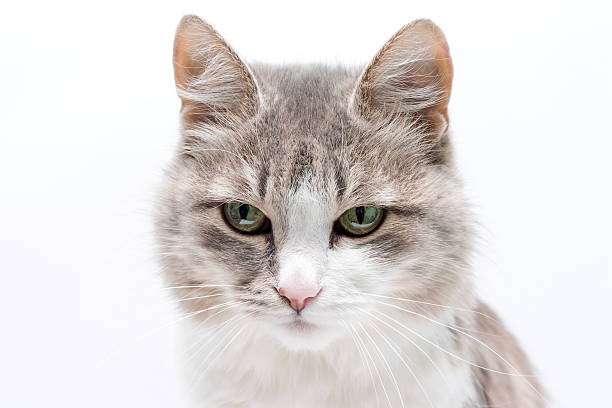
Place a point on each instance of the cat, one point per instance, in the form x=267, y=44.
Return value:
x=313, y=230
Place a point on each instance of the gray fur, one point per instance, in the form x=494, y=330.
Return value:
x=329, y=129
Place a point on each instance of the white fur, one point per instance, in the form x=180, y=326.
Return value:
x=339, y=358
x=303, y=257
x=256, y=370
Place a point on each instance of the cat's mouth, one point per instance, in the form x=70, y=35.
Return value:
x=297, y=333
x=300, y=325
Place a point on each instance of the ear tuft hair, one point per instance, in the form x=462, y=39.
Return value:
x=410, y=75
x=211, y=80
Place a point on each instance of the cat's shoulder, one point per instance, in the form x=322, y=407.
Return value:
x=499, y=351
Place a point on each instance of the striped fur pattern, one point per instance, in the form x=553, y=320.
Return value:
x=397, y=322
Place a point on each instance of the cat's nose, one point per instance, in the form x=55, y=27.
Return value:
x=298, y=296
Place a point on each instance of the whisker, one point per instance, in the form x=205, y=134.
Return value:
x=140, y=339
x=438, y=369
x=230, y=327
x=218, y=328
x=516, y=374
x=211, y=363
x=460, y=309
x=364, y=360
x=161, y=287
x=405, y=364
x=224, y=348
x=198, y=297
x=382, y=384
x=199, y=344
x=390, y=371
x=202, y=286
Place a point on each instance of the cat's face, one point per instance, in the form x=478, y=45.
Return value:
x=299, y=147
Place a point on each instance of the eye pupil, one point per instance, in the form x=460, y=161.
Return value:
x=244, y=217
x=360, y=214
x=243, y=210
x=359, y=221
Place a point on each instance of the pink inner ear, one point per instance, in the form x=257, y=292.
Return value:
x=411, y=73
x=185, y=47
x=214, y=84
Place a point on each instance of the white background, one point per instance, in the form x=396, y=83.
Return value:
x=89, y=118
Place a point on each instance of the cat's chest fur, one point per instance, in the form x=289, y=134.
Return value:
x=254, y=371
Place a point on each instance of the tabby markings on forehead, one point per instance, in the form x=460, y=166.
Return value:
x=302, y=167
x=262, y=183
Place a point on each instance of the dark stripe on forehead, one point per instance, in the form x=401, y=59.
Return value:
x=302, y=165
x=262, y=182
x=340, y=178
x=337, y=154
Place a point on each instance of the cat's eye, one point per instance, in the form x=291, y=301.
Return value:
x=360, y=220
x=244, y=217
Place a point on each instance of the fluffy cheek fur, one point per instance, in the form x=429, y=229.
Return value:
x=223, y=274
x=304, y=144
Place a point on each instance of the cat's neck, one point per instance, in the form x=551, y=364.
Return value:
x=367, y=367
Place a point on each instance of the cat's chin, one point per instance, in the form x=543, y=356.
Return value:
x=301, y=335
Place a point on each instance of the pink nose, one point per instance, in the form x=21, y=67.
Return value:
x=299, y=296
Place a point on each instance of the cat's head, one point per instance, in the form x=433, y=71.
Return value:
x=301, y=197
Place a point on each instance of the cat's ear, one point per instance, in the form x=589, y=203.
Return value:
x=411, y=75
x=215, y=86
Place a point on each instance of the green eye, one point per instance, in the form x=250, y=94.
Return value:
x=360, y=220
x=244, y=217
